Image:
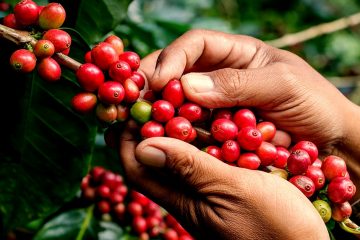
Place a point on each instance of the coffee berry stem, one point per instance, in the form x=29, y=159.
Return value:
x=350, y=226
x=23, y=37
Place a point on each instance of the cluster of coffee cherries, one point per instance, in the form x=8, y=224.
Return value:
x=46, y=20
x=114, y=200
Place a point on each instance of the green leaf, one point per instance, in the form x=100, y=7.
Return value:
x=96, y=18
x=45, y=148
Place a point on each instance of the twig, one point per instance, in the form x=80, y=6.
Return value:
x=23, y=37
x=315, y=31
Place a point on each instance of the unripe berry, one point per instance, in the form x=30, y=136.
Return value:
x=44, y=48
x=141, y=112
x=106, y=113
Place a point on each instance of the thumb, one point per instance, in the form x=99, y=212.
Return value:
x=185, y=162
x=230, y=87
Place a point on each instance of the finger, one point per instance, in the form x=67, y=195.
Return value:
x=263, y=87
x=184, y=163
x=204, y=50
x=148, y=63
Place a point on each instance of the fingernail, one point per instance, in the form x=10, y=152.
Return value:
x=199, y=82
x=151, y=156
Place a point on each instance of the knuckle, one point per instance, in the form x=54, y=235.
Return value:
x=183, y=165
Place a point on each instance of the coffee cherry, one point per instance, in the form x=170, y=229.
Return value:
x=230, y=151
x=150, y=96
x=170, y=234
x=317, y=176
x=52, y=16
x=309, y=147
x=139, y=224
x=23, y=61
x=59, y=38
x=106, y=113
x=178, y=127
x=87, y=57
x=152, y=129
x=26, y=13
x=135, y=209
x=103, y=55
x=304, y=184
x=223, y=130
x=103, y=191
x=222, y=113
x=120, y=71
x=44, y=48
x=123, y=113
x=280, y=173
x=244, y=118
x=340, y=189
x=323, y=209
x=298, y=162
x=162, y=111
x=173, y=92
x=141, y=112
x=116, y=42
x=281, y=158
x=119, y=210
x=84, y=102
x=317, y=163
x=192, y=136
x=267, y=130
x=139, y=198
x=281, y=139
x=139, y=79
x=10, y=21
x=190, y=111
x=109, y=179
x=132, y=91
x=4, y=7
x=341, y=211
x=267, y=153
x=49, y=69
x=249, y=138
x=249, y=160
x=111, y=92
x=333, y=166
x=131, y=58
x=90, y=77
x=96, y=174
x=214, y=151
x=103, y=206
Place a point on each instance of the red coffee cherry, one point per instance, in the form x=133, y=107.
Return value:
x=341, y=211
x=111, y=92
x=223, y=130
x=333, y=166
x=281, y=139
x=170, y=234
x=23, y=61
x=103, y=206
x=178, y=127
x=116, y=42
x=281, y=158
x=317, y=176
x=59, y=38
x=139, y=225
x=26, y=13
x=162, y=111
x=214, y=151
x=90, y=77
x=267, y=153
x=192, y=136
x=152, y=129
x=49, y=69
x=84, y=102
x=10, y=21
x=131, y=58
x=249, y=160
x=52, y=16
x=96, y=174
x=340, y=189
x=132, y=91
x=304, y=184
x=267, y=130
x=87, y=57
x=173, y=92
x=103, y=191
x=317, y=163
x=123, y=113
x=244, y=118
x=249, y=138
x=230, y=151
x=298, y=162
x=190, y=111
x=103, y=55
x=309, y=147
x=222, y=113
x=139, y=198
x=44, y=48
x=120, y=71
x=139, y=79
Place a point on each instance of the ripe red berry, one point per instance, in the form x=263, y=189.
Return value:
x=298, y=162
x=103, y=55
x=249, y=138
x=52, y=16
x=135, y=209
x=23, y=61
x=267, y=153
x=4, y=6
x=152, y=129
x=333, y=166
x=192, y=136
x=139, y=198
x=89, y=193
x=120, y=71
x=131, y=58
x=304, y=184
x=60, y=39
x=106, y=113
x=341, y=189
x=309, y=147
x=178, y=127
x=281, y=158
x=123, y=112
x=190, y=111
x=281, y=139
x=317, y=176
x=109, y=179
x=218, y=113
x=103, y=191
x=119, y=210
x=116, y=42
x=341, y=211
x=44, y=48
x=132, y=91
x=150, y=96
x=170, y=234
x=10, y=21
x=244, y=118
x=90, y=77
x=214, y=151
x=249, y=160
x=162, y=111
x=96, y=174
x=139, y=79
x=116, y=198
x=317, y=163
x=103, y=206
x=139, y=225
x=111, y=92
x=230, y=151
x=174, y=93
x=49, y=69
x=267, y=130
x=84, y=102
x=87, y=57
x=26, y=12
x=223, y=130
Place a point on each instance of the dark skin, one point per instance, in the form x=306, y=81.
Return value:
x=212, y=199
